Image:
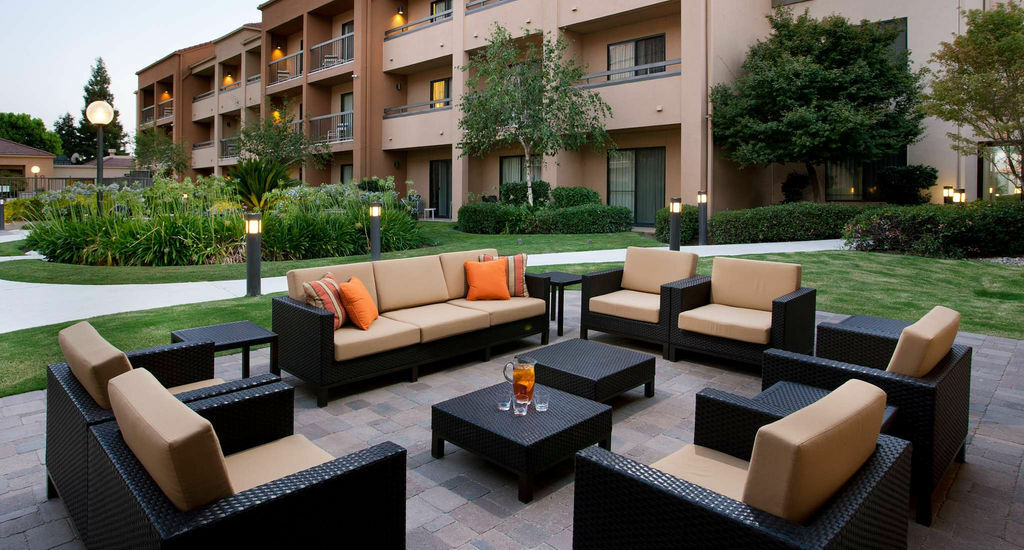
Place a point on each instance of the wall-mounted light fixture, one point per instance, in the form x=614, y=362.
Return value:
x=401, y=10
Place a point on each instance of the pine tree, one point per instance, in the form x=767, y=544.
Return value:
x=96, y=89
x=68, y=134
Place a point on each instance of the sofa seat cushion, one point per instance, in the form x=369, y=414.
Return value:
x=265, y=463
x=734, y=323
x=437, y=321
x=196, y=385
x=923, y=344
x=711, y=469
x=628, y=304
x=92, y=360
x=752, y=284
x=409, y=282
x=505, y=311
x=646, y=269
x=383, y=335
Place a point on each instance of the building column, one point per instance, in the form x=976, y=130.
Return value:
x=695, y=125
x=460, y=164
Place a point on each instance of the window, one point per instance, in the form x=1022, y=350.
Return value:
x=441, y=93
x=346, y=173
x=347, y=102
x=511, y=169
x=636, y=180
x=995, y=177
x=440, y=6
x=633, y=53
x=348, y=41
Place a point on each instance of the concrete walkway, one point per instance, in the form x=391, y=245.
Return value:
x=39, y=304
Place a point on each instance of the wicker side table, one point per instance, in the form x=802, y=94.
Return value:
x=240, y=334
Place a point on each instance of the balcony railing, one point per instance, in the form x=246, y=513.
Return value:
x=202, y=96
x=418, y=108
x=165, y=109
x=229, y=148
x=231, y=86
x=331, y=128
x=146, y=115
x=286, y=68
x=476, y=5
x=253, y=78
x=333, y=52
x=418, y=24
x=202, y=145
x=631, y=74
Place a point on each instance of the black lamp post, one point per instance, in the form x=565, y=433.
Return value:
x=702, y=217
x=253, y=229
x=99, y=113
x=947, y=194
x=2, y=216
x=960, y=196
x=375, y=208
x=675, y=209
x=35, y=176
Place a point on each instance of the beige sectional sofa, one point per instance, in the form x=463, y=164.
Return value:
x=423, y=317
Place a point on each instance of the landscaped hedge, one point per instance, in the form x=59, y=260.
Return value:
x=687, y=224
x=799, y=221
x=567, y=197
x=587, y=218
x=514, y=193
x=493, y=218
x=978, y=229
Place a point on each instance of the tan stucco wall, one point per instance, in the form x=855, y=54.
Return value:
x=24, y=165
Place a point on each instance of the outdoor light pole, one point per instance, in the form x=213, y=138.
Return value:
x=702, y=217
x=2, y=223
x=35, y=174
x=960, y=196
x=99, y=113
x=253, y=228
x=375, y=208
x=675, y=209
x=947, y=194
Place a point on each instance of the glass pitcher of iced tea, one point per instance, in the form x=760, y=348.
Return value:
x=522, y=380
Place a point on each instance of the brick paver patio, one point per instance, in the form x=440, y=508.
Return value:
x=464, y=502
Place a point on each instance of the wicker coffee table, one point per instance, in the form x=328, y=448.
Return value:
x=527, y=445
x=593, y=370
x=240, y=334
x=790, y=397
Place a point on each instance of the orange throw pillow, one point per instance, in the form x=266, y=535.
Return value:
x=359, y=305
x=326, y=294
x=487, y=280
x=516, y=273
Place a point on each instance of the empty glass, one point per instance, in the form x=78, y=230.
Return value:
x=541, y=397
x=505, y=398
x=519, y=407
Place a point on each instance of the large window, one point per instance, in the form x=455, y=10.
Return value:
x=636, y=180
x=633, y=53
x=513, y=169
x=440, y=93
x=995, y=177
x=346, y=173
x=439, y=7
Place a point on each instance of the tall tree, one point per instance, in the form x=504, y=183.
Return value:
x=157, y=152
x=24, y=129
x=979, y=83
x=527, y=97
x=65, y=129
x=276, y=138
x=96, y=89
x=818, y=91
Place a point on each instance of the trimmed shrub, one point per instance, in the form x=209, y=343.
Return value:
x=567, y=197
x=493, y=218
x=799, y=221
x=499, y=218
x=514, y=193
x=906, y=184
x=687, y=224
x=978, y=229
x=591, y=218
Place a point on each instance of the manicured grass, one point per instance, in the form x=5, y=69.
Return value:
x=12, y=248
x=990, y=297
x=441, y=236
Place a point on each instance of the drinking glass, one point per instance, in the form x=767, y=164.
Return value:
x=505, y=398
x=522, y=380
x=519, y=407
x=541, y=398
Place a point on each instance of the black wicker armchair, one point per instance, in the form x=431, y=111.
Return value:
x=933, y=410
x=70, y=411
x=357, y=497
x=620, y=503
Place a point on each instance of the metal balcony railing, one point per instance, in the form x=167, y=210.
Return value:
x=230, y=87
x=333, y=52
x=418, y=24
x=202, y=144
x=333, y=128
x=165, y=109
x=477, y=5
x=286, y=68
x=146, y=115
x=253, y=78
x=418, y=108
x=229, y=148
x=632, y=74
x=202, y=96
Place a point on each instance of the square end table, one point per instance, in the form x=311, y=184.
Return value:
x=560, y=280
x=240, y=334
x=593, y=370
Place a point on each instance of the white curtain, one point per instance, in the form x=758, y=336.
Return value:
x=621, y=56
x=622, y=178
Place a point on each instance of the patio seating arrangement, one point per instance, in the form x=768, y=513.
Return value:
x=424, y=317
x=635, y=301
x=228, y=470
x=76, y=398
x=923, y=372
x=822, y=477
x=744, y=308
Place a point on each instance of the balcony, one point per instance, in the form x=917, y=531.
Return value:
x=418, y=43
x=253, y=91
x=204, y=155
x=165, y=111
x=604, y=14
x=655, y=83
x=204, y=105
x=426, y=124
x=336, y=51
x=230, y=98
x=285, y=69
x=229, y=148
x=515, y=15
x=335, y=128
x=146, y=115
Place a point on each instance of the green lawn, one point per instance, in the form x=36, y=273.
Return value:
x=12, y=248
x=441, y=236
x=989, y=296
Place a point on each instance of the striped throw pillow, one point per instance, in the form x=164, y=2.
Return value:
x=326, y=294
x=516, y=273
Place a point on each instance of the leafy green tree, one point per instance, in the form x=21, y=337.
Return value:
x=114, y=137
x=65, y=129
x=527, y=97
x=24, y=129
x=157, y=152
x=276, y=138
x=818, y=91
x=979, y=84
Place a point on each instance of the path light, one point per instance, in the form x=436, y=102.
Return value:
x=960, y=196
x=947, y=194
x=675, y=209
x=253, y=229
x=702, y=217
x=35, y=173
x=99, y=113
x=2, y=214
x=375, y=209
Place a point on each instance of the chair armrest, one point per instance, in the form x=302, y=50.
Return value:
x=601, y=282
x=690, y=293
x=540, y=287
x=793, y=321
x=305, y=337
x=860, y=346
x=176, y=364
x=250, y=417
x=227, y=387
x=728, y=423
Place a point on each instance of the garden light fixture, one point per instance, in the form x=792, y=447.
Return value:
x=375, y=210
x=35, y=174
x=253, y=229
x=675, y=208
x=2, y=200
x=702, y=218
x=960, y=196
x=99, y=113
x=947, y=194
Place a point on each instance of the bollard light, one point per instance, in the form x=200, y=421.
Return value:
x=375, y=211
x=253, y=229
x=947, y=194
x=2, y=214
x=702, y=217
x=675, y=208
x=960, y=196
x=99, y=113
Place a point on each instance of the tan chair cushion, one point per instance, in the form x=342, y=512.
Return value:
x=751, y=284
x=265, y=463
x=734, y=323
x=646, y=269
x=628, y=304
x=505, y=311
x=409, y=282
x=800, y=461
x=923, y=344
x=383, y=335
x=711, y=469
x=453, y=264
x=437, y=321
x=92, y=360
x=364, y=271
x=196, y=385
x=175, y=445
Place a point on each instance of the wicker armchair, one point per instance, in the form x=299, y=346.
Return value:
x=620, y=503
x=70, y=411
x=933, y=410
x=363, y=493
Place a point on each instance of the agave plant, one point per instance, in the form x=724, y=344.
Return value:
x=254, y=179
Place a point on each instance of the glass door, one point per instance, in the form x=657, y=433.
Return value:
x=441, y=187
x=636, y=180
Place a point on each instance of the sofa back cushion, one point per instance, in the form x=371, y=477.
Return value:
x=92, y=360
x=175, y=445
x=453, y=264
x=409, y=282
x=800, y=461
x=647, y=269
x=752, y=284
x=923, y=344
x=342, y=273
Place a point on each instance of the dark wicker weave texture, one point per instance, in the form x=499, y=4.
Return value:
x=593, y=370
x=239, y=334
x=606, y=282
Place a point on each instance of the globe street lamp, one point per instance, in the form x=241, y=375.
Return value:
x=99, y=113
x=35, y=174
